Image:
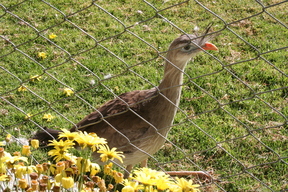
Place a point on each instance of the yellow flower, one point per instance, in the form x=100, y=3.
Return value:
x=60, y=166
x=184, y=185
x=26, y=150
x=151, y=172
x=128, y=189
x=60, y=149
x=67, y=182
x=150, y=177
x=61, y=145
x=90, y=140
x=2, y=143
x=35, y=78
x=22, y=88
x=108, y=154
x=116, y=88
x=102, y=185
x=132, y=185
x=14, y=159
x=22, y=170
x=34, y=185
x=2, y=153
x=52, y=36
x=119, y=177
x=108, y=169
x=35, y=143
x=83, y=164
x=8, y=138
x=39, y=168
x=3, y=168
x=163, y=183
x=48, y=117
x=144, y=178
x=68, y=92
x=28, y=116
x=58, y=177
x=94, y=169
x=23, y=183
x=42, y=55
x=4, y=178
x=67, y=134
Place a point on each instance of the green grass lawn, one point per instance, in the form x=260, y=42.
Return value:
x=233, y=111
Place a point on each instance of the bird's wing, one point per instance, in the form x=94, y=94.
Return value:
x=116, y=120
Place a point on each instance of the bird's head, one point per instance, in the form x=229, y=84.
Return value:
x=183, y=48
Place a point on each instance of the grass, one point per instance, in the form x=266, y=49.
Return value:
x=233, y=110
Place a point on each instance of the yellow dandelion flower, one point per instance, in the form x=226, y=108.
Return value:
x=42, y=55
x=22, y=88
x=68, y=92
x=35, y=78
x=67, y=182
x=35, y=143
x=109, y=154
x=52, y=36
x=48, y=117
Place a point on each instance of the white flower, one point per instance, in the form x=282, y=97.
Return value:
x=92, y=82
x=107, y=76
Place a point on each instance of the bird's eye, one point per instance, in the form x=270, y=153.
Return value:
x=187, y=48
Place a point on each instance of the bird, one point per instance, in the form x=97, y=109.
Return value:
x=137, y=122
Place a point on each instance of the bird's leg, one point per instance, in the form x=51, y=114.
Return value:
x=127, y=171
x=144, y=163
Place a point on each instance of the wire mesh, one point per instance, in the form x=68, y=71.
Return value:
x=232, y=118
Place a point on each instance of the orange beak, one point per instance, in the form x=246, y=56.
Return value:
x=209, y=46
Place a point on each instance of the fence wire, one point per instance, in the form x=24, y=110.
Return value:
x=232, y=118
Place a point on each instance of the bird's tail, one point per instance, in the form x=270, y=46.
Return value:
x=46, y=135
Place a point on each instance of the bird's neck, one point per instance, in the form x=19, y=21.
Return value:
x=172, y=81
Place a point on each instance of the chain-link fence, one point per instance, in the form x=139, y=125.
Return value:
x=232, y=118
